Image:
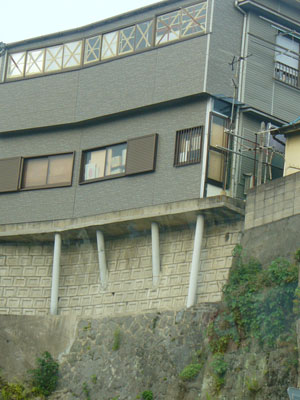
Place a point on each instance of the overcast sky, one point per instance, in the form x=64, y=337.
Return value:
x=24, y=19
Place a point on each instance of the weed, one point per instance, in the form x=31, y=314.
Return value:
x=117, y=339
x=45, y=376
x=147, y=395
x=94, y=379
x=219, y=368
x=190, y=372
x=86, y=391
x=253, y=385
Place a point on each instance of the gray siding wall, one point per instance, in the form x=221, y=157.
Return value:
x=160, y=74
x=166, y=184
x=225, y=44
x=262, y=91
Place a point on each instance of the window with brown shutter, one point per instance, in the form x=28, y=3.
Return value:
x=132, y=157
x=47, y=171
x=9, y=174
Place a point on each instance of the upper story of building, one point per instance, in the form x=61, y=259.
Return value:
x=166, y=51
x=135, y=97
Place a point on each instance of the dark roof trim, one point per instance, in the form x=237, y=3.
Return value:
x=291, y=128
x=104, y=118
x=252, y=5
x=260, y=114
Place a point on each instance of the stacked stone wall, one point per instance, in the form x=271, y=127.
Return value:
x=25, y=273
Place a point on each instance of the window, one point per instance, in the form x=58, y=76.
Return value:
x=180, y=24
x=287, y=60
x=47, y=171
x=132, y=157
x=188, y=146
x=217, y=150
x=105, y=162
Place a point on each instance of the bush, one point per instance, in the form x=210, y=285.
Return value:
x=45, y=376
x=147, y=395
x=190, y=372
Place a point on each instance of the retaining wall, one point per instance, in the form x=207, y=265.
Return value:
x=25, y=273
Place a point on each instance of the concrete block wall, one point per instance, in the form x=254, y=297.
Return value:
x=273, y=201
x=25, y=274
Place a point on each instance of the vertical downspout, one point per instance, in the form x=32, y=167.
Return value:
x=205, y=147
x=3, y=61
x=55, y=274
x=155, y=253
x=240, y=97
x=208, y=107
x=195, y=261
x=102, y=259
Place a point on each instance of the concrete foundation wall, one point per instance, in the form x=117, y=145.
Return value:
x=25, y=273
x=273, y=201
x=272, y=219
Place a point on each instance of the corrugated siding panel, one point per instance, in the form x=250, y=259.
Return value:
x=286, y=102
x=141, y=154
x=9, y=174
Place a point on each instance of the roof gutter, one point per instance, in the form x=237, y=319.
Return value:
x=241, y=4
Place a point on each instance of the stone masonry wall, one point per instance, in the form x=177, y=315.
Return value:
x=25, y=273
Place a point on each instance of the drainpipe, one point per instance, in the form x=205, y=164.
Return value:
x=195, y=261
x=102, y=259
x=55, y=274
x=237, y=159
x=155, y=253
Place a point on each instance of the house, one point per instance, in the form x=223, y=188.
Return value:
x=127, y=147
x=291, y=132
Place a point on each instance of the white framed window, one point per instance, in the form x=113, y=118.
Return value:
x=287, y=54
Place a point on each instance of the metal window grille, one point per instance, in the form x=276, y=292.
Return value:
x=287, y=74
x=188, y=146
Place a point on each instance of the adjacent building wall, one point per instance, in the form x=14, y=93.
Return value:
x=262, y=91
x=272, y=219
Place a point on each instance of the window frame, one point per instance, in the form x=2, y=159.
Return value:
x=225, y=153
x=82, y=181
x=82, y=64
x=145, y=144
x=47, y=186
x=182, y=132
x=286, y=67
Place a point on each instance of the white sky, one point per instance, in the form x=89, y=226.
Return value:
x=24, y=19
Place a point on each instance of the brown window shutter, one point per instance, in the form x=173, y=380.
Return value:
x=141, y=154
x=9, y=174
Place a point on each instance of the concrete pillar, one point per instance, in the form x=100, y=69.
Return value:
x=195, y=261
x=102, y=259
x=155, y=253
x=55, y=274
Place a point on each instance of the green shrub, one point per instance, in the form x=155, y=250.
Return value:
x=259, y=302
x=190, y=372
x=117, y=340
x=45, y=376
x=147, y=395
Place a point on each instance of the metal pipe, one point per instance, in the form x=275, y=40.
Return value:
x=195, y=261
x=155, y=253
x=55, y=274
x=102, y=259
x=205, y=149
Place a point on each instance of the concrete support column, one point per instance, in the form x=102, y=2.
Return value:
x=195, y=261
x=55, y=274
x=102, y=259
x=155, y=253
